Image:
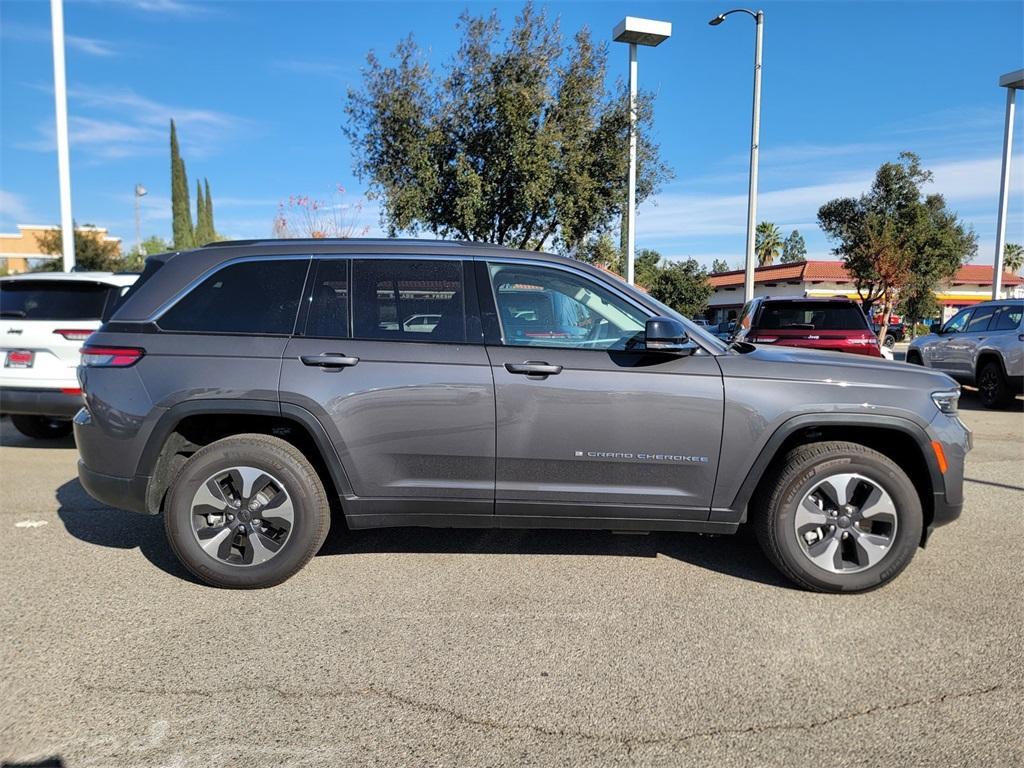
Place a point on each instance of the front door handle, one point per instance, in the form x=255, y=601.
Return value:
x=531, y=368
x=328, y=360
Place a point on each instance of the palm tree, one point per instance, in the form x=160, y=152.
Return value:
x=767, y=243
x=1013, y=257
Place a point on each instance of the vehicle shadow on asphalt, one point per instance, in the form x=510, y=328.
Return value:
x=93, y=523
x=737, y=556
x=970, y=401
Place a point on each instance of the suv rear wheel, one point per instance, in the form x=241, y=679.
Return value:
x=993, y=387
x=839, y=517
x=247, y=511
x=42, y=427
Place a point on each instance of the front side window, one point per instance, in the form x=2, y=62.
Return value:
x=545, y=307
x=1009, y=319
x=259, y=297
x=958, y=323
x=980, y=319
x=405, y=300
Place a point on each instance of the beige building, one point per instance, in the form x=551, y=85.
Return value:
x=16, y=250
x=827, y=279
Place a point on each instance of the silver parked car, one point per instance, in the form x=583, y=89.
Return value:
x=983, y=346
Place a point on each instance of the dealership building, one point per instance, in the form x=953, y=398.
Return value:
x=829, y=279
x=20, y=250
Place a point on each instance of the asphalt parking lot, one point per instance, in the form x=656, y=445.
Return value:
x=456, y=648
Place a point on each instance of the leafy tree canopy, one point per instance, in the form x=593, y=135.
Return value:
x=518, y=142
x=794, y=249
x=719, y=265
x=1013, y=257
x=92, y=252
x=683, y=285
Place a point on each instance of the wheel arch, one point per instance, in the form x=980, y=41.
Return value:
x=901, y=440
x=988, y=355
x=188, y=426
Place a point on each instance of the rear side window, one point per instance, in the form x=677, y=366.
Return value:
x=52, y=300
x=812, y=316
x=980, y=319
x=1008, y=319
x=328, y=310
x=260, y=296
x=408, y=300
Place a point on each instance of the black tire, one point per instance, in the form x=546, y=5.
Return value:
x=993, y=388
x=890, y=341
x=305, y=492
x=914, y=357
x=798, y=473
x=42, y=427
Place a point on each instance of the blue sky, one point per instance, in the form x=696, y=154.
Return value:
x=258, y=91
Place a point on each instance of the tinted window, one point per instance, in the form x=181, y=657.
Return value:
x=958, y=323
x=408, y=300
x=328, y=310
x=812, y=316
x=1008, y=319
x=251, y=297
x=980, y=319
x=53, y=300
x=544, y=307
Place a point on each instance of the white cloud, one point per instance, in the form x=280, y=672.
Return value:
x=13, y=208
x=89, y=45
x=168, y=7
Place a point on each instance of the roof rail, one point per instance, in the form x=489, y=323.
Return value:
x=349, y=241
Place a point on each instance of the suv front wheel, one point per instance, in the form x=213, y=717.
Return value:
x=839, y=517
x=247, y=511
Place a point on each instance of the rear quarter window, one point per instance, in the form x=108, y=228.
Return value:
x=251, y=297
x=53, y=299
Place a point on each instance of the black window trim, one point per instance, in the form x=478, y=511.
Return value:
x=157, y=315
x=471, y=307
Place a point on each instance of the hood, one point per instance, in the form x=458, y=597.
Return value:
x=839, y=368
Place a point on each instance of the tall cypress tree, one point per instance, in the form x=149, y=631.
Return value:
x=202, y=234
x=181, y=215
x=209, y=211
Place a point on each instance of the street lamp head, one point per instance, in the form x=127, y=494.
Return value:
x=642, y=31
x=717, y=20
x=140, y=190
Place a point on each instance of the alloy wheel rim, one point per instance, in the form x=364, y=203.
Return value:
x=988, y=384
x=242, y=516
x=846, y=523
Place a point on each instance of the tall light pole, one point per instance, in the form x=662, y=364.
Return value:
x=60, y=95
x=755, y=139
x=140, y=191
x=636, y=32
x=1011, y=81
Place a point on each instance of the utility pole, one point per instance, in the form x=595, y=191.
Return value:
x=60, y=95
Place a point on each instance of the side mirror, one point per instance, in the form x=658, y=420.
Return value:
x=935, y=328
x=663, y=334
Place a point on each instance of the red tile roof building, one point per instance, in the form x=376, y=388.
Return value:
x=972, y=284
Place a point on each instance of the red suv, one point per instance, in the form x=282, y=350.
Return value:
x=834, y=324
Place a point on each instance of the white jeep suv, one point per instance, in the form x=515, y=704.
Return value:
x=44, y=318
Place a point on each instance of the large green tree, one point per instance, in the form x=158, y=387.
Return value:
x=794, y=249
x=683, y=285
x=92, y=252
x=518, y=142
x=896, y=241
x=767, y=243
x=719, y=265
x=208, y=200
x=181, y=215
x=204, y=216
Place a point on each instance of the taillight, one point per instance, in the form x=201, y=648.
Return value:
x=111, y=357
x=75, y=334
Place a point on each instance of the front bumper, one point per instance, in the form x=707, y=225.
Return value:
x=120, y=492
x=39, y=402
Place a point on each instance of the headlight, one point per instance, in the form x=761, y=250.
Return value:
x=947, y=401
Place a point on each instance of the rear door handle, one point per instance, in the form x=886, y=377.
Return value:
x=328, y=360
x=531, y=368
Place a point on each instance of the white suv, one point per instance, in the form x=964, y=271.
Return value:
x=44, y=318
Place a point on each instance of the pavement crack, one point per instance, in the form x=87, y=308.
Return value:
x=628, y=742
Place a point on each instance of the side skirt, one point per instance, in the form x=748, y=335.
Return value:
x=431, y=520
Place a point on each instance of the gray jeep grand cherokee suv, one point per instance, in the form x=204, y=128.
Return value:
x=248, y=390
